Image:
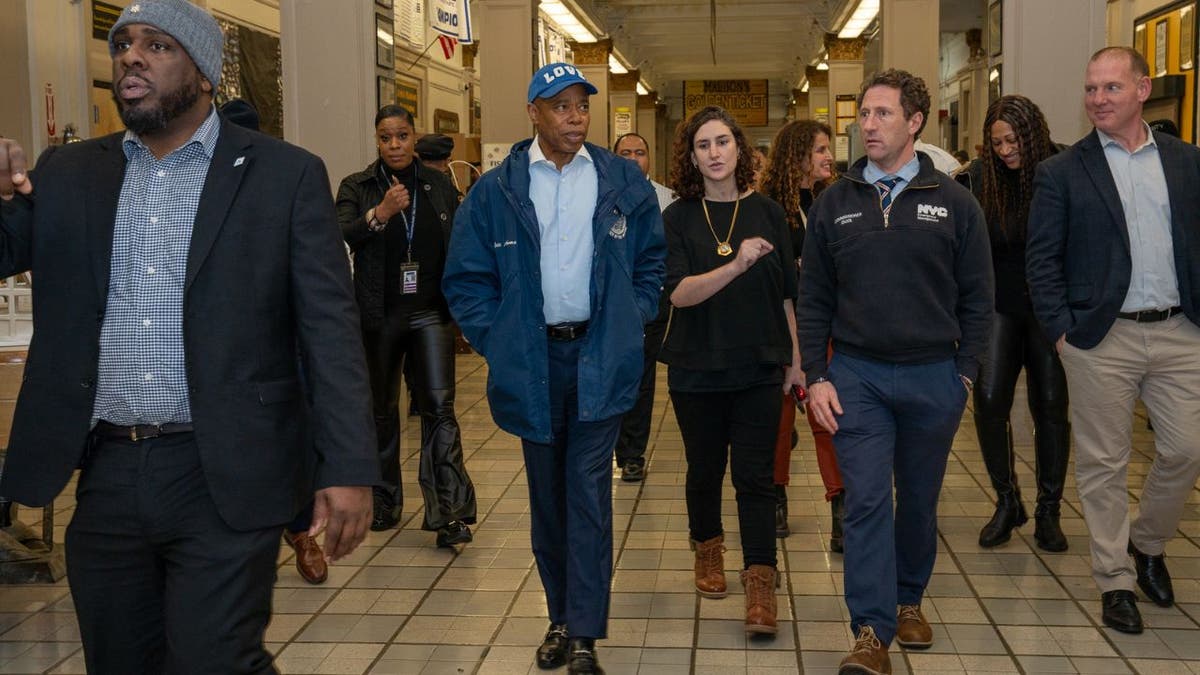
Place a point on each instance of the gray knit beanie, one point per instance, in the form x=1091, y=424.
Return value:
x=192, y=26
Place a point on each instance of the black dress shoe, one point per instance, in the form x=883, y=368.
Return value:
x=1048, y=533
x=632, y=471
x=582, y=657
x=1121, y=612
x=385, y=512
x=553, y=651
x=1153, y=577
x=455, y=532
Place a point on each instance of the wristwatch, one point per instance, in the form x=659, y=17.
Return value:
x=374, y=224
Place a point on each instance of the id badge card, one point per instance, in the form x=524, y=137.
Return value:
x=408, y=275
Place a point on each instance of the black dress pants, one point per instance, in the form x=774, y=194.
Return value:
x=160, y=583
x=635, y=424
x=738, y=428
x=426, y=338
x=1018, y=342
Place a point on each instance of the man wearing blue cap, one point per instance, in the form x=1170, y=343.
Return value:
x=180, y=266
x=555, y=264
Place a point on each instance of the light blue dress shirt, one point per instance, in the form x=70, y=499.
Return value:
x=565, y=202
x=1147, y=206
x=906, y=173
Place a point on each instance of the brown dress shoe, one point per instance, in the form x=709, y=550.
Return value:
x=869, y=656
x=710, y=567
x=759, y=582
x=310, y=559
x=912, y=630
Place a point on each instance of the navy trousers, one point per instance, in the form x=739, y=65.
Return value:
x=897, y=427
x=570, y=500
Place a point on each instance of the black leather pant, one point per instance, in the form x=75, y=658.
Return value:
x=1018, y=341
x=427, y=338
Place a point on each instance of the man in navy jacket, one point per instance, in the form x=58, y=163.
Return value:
x=555, y=264
x=1113, y=262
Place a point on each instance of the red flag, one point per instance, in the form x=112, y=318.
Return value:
x=447, y=43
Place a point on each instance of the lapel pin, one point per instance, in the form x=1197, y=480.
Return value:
x=239, y=161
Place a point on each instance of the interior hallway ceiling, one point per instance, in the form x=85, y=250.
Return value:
x=669, y=41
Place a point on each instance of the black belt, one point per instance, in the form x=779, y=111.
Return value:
x=1149, y=315
x=140, y=432
x=567, y=331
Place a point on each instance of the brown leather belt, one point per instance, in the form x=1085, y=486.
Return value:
x=140, y=432
x=1150, y=315
x=567, y=331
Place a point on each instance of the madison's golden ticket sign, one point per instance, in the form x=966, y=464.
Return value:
x=746, y=100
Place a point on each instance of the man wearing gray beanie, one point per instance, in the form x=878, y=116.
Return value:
x=180, y=266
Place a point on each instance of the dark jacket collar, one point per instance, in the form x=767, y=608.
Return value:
x=926, y=175
x=424, y=173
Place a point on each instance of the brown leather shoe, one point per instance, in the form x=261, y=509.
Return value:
x=912, y=630
x=310, y=559
x=869, y=656
x=759, y=582
x=710, y=567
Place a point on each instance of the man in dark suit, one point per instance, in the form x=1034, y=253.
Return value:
x=1113, y=264
x=178, y=269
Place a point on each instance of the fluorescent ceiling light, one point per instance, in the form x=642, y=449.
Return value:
x=566, y=21
x=641, y=89
x=862, y=17
x=615, y=67
x=804, y=89
x=824, y=65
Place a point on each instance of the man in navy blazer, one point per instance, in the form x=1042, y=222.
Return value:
x=1113, y=262
x=177, y=270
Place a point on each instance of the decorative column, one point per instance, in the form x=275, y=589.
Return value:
x=845, y=79
x=1064, y=33
x=622, y=104
x=592, y=60
x=507, y=59
x=909, y=39
x=801, y=109
x=647, y=107
x=818, y=94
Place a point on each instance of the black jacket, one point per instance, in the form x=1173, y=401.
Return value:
x=360, y=192
x=915, y=289
x=1077, y=258
x=265, y=275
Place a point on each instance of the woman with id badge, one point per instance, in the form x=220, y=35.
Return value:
x=396, y=217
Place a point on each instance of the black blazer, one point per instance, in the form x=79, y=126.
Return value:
x=1077, y=255
x=266, y=276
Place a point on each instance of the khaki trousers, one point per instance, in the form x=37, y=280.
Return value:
x=1158, y=362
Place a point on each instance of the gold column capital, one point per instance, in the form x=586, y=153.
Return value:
x=816, y=78
x=624, y=81
x=591, y=53
x=845, y=49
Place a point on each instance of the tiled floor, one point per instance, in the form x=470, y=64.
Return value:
x=400, y=605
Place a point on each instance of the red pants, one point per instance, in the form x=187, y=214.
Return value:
x=831, y=477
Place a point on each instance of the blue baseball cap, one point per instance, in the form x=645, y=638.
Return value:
x=554, y=77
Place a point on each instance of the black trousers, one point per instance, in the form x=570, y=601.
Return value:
x=160, y=583
x=737, y=427
x=635, y=425
x=1018, y=342
x=427, y=339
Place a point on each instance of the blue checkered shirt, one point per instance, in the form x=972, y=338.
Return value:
x=142, y=377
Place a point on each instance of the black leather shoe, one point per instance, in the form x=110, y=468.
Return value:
x=582, y=657
x=1153, y=577
x=1009, y=514
x=553, y=651
x=1121, y=612
x=632, y=471
x=455, y=532
x=1048, y=533
x=385, y=512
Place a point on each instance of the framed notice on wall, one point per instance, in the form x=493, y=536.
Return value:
x=745, y=100
x=408, y=95
x=385, y=91
x=995, y=27
x=1187, y=37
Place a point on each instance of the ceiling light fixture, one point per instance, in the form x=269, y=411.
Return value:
x=614, y=65
x=642, y=89
x=565, y=19
x=862, y=17
x=804, y=89
x=824, y=65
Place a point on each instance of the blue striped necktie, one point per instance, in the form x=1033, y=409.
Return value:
x=885, y=187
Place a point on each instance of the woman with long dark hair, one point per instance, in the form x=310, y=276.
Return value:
x=1016, y=140
x=396, y=216
x=730, y=348
x=801, y=165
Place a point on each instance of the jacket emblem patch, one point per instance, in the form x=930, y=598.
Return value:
x=617, y=231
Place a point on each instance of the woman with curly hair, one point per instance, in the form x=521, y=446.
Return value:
x=730, y=348
x=1017, y=140
x=801, y=166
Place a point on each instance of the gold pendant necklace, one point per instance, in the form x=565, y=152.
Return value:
x=723, y=247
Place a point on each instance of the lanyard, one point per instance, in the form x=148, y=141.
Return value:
x=410, y=218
